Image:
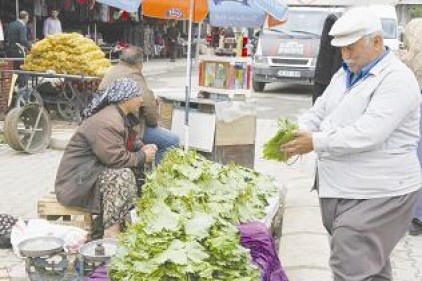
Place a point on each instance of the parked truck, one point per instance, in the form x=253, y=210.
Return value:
x=288, y=52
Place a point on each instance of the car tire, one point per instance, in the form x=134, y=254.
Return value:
x=258, y=86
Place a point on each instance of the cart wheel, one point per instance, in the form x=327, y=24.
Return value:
x=28, y=128
x=67, y=110
x=26, y=96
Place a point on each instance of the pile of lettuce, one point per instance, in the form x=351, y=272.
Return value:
x=286, y=130
x=188, y=217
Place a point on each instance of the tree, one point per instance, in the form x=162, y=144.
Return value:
x=416, y=11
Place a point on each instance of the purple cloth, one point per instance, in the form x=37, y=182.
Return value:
x=99, y=274
x=256, y=237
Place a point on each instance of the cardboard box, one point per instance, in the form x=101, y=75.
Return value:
x=241, y=131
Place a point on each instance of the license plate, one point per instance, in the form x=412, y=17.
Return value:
x=288, y=73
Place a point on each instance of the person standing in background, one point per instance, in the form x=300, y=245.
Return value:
x=412, y=57
x=18, y=42
x=1, y=38
x=329, y=59
x=17, y=33
x=173, y=35
x=52, y=24
x=1, y=33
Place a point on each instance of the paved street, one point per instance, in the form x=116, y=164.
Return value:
x=304, y=246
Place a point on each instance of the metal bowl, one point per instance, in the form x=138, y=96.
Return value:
x=88, y=250
x=40, y=246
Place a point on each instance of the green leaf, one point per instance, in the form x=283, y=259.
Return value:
x=144, y=267
x=188, y=217
x=284, y=135
x=198, y=226
x=164, y=219
x=176, y=254
x=196, y=252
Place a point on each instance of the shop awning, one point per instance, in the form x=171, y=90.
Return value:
x=174, y=9
x=126, y=5
x=275, y=8
x=223, y=13
x=245, y=13
x=235, y=14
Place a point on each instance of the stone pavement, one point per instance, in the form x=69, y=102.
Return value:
x=159, y=66
x=23, y=179
x=304, y=246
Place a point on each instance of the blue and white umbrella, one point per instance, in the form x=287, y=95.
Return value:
x=245, y=13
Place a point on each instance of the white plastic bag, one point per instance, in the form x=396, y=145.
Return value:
x=73, y=237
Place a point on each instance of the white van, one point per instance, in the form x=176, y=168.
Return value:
x=390, y=24
x=288, y=53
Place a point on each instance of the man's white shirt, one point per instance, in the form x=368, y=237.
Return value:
x=366, y=137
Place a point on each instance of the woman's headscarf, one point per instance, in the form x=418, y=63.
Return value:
x=413, y=43
x=119, y=91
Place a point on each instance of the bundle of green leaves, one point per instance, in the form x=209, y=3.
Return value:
x=188, y=214
x=286, y=130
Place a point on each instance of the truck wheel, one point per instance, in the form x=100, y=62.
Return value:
x=258, y=86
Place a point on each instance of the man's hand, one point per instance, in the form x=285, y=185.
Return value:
x=150, y=150
x=302, y=144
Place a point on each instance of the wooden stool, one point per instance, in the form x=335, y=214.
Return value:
x=50, y=209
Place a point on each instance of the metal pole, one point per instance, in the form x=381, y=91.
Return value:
x=17, y=8
x=34, y=23
x=188, y=85
x=198, y=40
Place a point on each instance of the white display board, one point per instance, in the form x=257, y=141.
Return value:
x=201, y=129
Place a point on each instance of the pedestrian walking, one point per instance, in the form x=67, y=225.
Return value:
x=173, y=35
x=364, y=130
x=412, y=57
x=328, y=61
x=18, y=42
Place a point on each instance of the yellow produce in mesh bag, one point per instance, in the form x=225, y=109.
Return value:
x=103, y=71
x=68, y=53
x=93, y=56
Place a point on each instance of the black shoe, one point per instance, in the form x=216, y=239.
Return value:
x=415, y=228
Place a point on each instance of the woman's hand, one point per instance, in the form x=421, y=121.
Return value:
x=150, y=150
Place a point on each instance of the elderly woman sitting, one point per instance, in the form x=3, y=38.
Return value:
x=95, y=173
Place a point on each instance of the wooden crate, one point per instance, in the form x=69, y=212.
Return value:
x=50, y=209
x=166, y=114
x=5, y=85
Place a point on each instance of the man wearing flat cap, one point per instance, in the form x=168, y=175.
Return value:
x=364, y=131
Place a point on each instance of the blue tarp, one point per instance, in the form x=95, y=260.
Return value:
x=233, y=13
x=275, y=8
x=245, y=13
x=126, y=5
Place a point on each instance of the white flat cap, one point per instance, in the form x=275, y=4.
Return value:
x=353, y=25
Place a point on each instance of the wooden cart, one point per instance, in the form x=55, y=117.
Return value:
x=67, y=94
